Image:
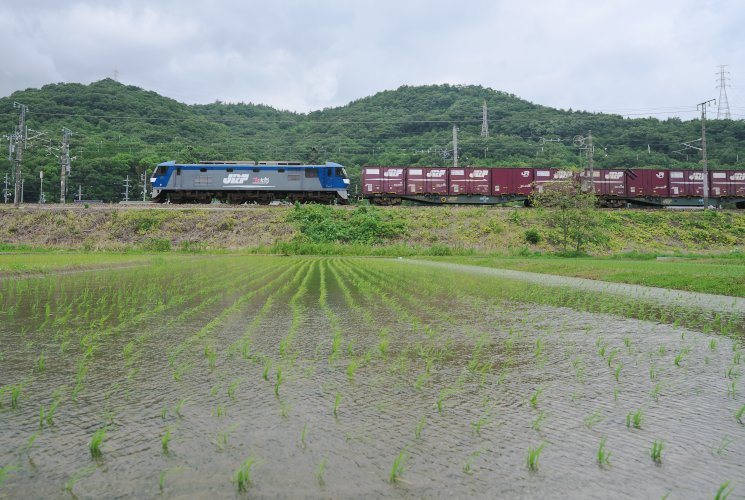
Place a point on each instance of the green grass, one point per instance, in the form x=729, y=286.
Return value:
x=705, y=275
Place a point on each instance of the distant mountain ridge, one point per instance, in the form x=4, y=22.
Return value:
x=121, y=130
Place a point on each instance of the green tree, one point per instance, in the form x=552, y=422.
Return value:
x=572, y=212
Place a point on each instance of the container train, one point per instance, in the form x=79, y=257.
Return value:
x=249, y=182
x=614, y=187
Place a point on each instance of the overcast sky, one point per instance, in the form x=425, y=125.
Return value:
x=628, y=57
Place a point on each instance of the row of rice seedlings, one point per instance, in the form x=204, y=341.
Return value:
x=297, y=310
x=244, y=342
x=217, y=321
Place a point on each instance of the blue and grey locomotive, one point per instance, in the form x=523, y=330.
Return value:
x=244, y=181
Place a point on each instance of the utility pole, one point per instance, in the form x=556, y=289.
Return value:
x=64, y=160
x=6, y=193
x=20, y=142
x=723, y=108
x=591, y=167
x=144, y=186
x=455, y=146
x=126, y=188
x=703, y=107
x=484, y=121
x=80, y=192
x=41, y=188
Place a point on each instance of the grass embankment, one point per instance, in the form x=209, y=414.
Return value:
x=723, y=276
x=364, y=230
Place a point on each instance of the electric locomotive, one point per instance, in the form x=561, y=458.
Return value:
x=249, y=182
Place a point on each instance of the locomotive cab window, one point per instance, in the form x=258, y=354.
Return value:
x=159, y=171
x=178, y=171
x=340, y=172
x=228, y=169
x=329, y=171
x=311, y=172
x=202, y=169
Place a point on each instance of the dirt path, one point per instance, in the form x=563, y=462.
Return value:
x=716, y=303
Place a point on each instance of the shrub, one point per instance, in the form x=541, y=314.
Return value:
x=532, y=236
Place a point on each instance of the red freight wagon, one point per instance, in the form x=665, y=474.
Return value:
x=386, y=180
x=647, y=183
x=609, y=182
x=509, y=181
x=469, y=181
x=427, y=180
x=686, y=183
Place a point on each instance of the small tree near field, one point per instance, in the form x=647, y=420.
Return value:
x=572, y=212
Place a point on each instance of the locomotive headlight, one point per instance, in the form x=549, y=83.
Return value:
x=346, y=181
x=153, y=179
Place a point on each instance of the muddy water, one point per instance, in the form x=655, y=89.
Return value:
x=477, y=419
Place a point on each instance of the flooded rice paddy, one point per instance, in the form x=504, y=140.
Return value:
x=314, y=378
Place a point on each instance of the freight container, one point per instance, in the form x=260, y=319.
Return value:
x=512, y=181
x=426, y=180
x=469, y=181
x=736, y=182
x=609, y=182
x=383, y=180
x=640, y=183
x=544, y=175
x=719, y=185
x=686, y=183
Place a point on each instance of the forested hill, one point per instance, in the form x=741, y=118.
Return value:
x=121, y=130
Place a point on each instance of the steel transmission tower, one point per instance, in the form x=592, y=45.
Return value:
x=484, y=121
x=723, y=108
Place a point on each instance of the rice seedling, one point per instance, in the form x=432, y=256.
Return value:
x=617, y=372
x=41, y=417
x=15, y=394
x=534, y=397
x=739, y=414
x=337, y=401
x=351, y=369
x=303, y=434
x=634, y=419
x=267, y=367
x=5, y=471
x=41, y=363
x=279, y=381
x=731, y=388
x=627, y=343
x=678, y=359
x=423, y=421
x=593, y=419
x=713, y=345
x=97, y=439
x=656, y=451
x=603, y=454
x=533, y=455
x=242, y=476
x=399, y=464
x=656, y=391
x=477, y=424
x=232, y=387
x=726, y=441
x=180, y=406
x=166, y=439
x=320, y=471
x=722, y=493
x=536, y=425
x=611, y=356
x=51, y=411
